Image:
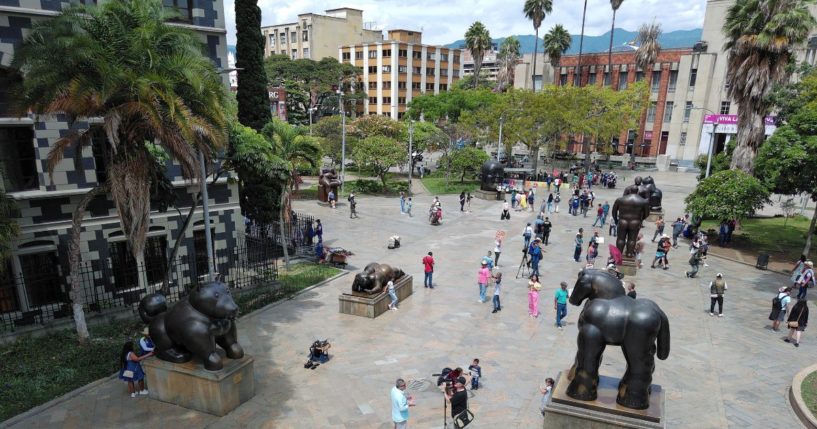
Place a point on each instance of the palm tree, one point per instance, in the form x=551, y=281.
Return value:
x=615, y=4
x=292, y=145
x=761, y=36
x=557, y=42
x=477, y=40
x=578, y=82
x=536, y=10
x=646, y=54
x=147, y=82
x=508, y=58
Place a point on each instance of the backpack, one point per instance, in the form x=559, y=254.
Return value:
x=776, y=304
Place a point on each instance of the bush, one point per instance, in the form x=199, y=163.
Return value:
x=366, y=186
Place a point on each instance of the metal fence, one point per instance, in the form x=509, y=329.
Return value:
x=39, y=296
x=301, y=234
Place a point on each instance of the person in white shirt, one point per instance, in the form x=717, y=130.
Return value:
x=400, y=403
x=497, y=251
x=785, y=299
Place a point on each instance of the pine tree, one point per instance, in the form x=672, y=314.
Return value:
x=253, y=101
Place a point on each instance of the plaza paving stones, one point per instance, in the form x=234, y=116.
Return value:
x=721, y=372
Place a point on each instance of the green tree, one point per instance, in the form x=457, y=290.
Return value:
x=146, y=80
x=380, y=153
x=426, y=136
x=9, y=229
x=329, y=130
x=507, y=59
x=252, y=94
x=536, y=10
x=557, y=42
x=761, y=36
x=477, y=40
x=727, y=195
x=648, y=48
x=466, y=159
x=720, y=161
x=377, y=125
x=615, y=4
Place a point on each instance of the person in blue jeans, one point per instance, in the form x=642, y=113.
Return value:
x=560, y=304
x=428, y=265
x=392, y=295
x=535, y=253
x=577, y=251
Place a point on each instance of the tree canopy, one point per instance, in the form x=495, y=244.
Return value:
x=727, y=195
x=379, y=153
x=253, y=101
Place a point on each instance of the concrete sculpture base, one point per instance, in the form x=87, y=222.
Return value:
x=629, y=266
x=488, y=195
x=365, y=305
x=189, y=385
x=564, y=412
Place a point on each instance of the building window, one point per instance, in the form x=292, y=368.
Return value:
x=386, y=53
x=431, y=56
x=651, y=112
x=443, y=87
x=668, y=111
x=673, y=81
x=429, y=71
x=693, y=77
x=417, y=70
x=622, y=80
x=683, y=140
x=386, y=100
x=346, y=56
x=607, y=79
x=359, y=55
x=591, y=79
x=294, y=54
x=401, y=85
x=415, y=85
x=41, y=276
x=372, y=100
x=400, y=115
x=417, y=55
x=306, y=35
x=200, y=247
x=456, y=59
x=639, y=76
x=402, y=53
x=401, y=100
x=443, y=72
x=271, y=40
x=283, y=38
x=372, y=69
x=386, y=69
x=725, y=105
x=563, y=79
x=443, y=57
x=372, y=54
x=99, y=144
x=19, y=164
x=402, y=69
x=182, y=8
x=387, y=85
x=372, y=85
x=429, y=87
x=656, y=81
x=293, y=37
x=687, y=111
x=306, y=52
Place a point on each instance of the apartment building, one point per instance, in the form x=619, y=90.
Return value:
x=523, y=73
x=400, y=68
x=489, y=68
x=318, y=36
x=36, y=276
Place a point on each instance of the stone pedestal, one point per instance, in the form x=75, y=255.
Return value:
x=564, y=412
x=629, y=266
x=191, y=386
x=365, y=305
x=654, y=215
x=488, y=195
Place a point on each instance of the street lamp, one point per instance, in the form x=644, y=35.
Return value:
x=410, y=153
x=343, y=139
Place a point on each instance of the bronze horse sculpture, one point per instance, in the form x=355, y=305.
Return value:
x=611, y=317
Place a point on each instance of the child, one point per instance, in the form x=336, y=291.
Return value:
x=497, y=286
x=408, y=207
x=131, y=370
x=390, y=290
x=476, y=374
x=546, y=391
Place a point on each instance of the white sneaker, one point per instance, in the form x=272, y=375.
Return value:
x=720, y=315
x=144, y=392
x=705, y=264
x=133, y=395
x=711, y=314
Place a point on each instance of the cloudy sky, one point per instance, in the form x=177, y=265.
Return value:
x=446, y=21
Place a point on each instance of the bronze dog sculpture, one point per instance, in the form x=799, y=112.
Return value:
x=374, y=278
x=194, y=326
x=611, y=317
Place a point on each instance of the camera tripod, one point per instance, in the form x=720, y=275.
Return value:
x=524, y=266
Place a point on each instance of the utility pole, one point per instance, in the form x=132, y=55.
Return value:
x=343, y=139
x=709, y=152
x=410, y=154
x=499, y=145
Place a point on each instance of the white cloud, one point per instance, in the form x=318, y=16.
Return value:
x=445, y=22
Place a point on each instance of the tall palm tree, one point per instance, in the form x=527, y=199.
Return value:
x=477, y=40
x=147, y=81
x=646, y=54
x=292, y=145
x=536, y=10
x=578, y=82
x=507, y=59
x=615, y=4
x=761, y=35
x=557, y=42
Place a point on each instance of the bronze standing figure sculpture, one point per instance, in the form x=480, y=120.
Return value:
x=628, y=212
x=611, y=317
x=655, y=194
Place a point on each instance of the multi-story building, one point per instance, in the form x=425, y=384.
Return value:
x=318, y=36
x=278, y=102
x=669, y=88
x=400, y=68
x=523, y=74
x=489, y=68
x=37, y=273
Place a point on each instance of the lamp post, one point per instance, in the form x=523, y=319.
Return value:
x=205, y=206
x=343, y=139
x=711, y=145
x=499, y=145
x=410, y=153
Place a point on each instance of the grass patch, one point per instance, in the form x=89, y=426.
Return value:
x=809, y=391
x=768, y=235
x=35, y=370
x=437, y=186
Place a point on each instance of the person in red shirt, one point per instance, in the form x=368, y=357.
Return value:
x=428, y=262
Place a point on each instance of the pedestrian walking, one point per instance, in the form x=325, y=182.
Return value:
x=526, y=235
x=489, y=260
x=506, y=213
x=599, y=214
x=694, y=263
x=797, y=271
x=462, y=201
x=428, y=268
x=592, y=252
x=677, y=229
x=717, y=288
x=550, y=204
x=797, y=321
x=631, y=290
x=577, y=250
x=780, y=304
x=806, y=280
x=332, y=198
x=467, y=202
x=402, y=202
x=319, y=230
x=639, y=250
x=546, y=226
x=497, y=288
x=400, y=403
x=659, y=228
x=556, y=200
x=531, y=197
x=660, y=252
x=560, y=303
x=352, y=206
x=482, y=278
x=408, y=206
x=497, y=251
x=605, y=211
x=613, y=229
x=513, y=198
x=535, y=253
x=533, y=295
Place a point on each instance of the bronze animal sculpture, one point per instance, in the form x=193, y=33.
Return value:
x=609, y=316
x=655, y=194
x=194, y=326
x=492, y=175
x=327, y=181
x=374, y=278
x=628, y=212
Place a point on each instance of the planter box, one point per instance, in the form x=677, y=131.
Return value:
x=371, y=306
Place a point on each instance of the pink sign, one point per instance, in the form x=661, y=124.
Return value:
x=732, y=120
x=647, y=135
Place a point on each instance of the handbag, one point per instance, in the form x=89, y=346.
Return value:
x=127, y=373
x=794, y=324
x=463, y=419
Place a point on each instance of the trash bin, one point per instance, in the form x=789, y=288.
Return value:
x=762, y=261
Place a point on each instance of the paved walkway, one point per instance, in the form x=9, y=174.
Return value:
x=721, y=372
